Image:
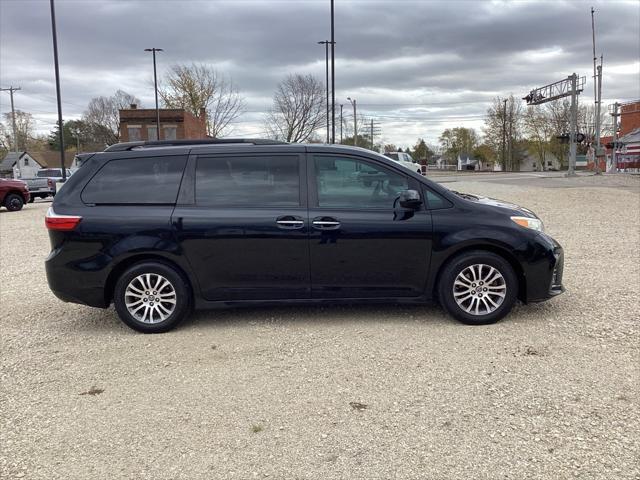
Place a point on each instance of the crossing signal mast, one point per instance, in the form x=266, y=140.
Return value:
x=571, y=86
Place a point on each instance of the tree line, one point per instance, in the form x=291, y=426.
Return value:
x=299, y=114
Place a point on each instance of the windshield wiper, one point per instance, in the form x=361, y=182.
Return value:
x=466, y=195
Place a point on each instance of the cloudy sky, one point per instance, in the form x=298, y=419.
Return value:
x=417, y=67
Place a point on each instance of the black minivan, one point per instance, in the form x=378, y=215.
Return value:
x=159, y=228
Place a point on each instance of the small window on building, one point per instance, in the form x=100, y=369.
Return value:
x=26, y=161
x=135, y=134
x=170, y=133
x=152, y=133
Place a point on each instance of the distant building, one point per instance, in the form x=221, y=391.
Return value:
x=27, y=164
x=628, y=122
x=17, y=165
x=175, y=124
x=531, y=162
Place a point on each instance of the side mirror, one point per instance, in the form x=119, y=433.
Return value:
x=410, y=199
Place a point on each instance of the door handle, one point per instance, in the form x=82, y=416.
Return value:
x=326, y=223
x=290, y=222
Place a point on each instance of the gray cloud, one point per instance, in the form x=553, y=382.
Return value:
x=451, y=57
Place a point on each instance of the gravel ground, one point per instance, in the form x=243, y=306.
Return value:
x=362, y=392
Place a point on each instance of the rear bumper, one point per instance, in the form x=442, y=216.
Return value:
x=65, y=285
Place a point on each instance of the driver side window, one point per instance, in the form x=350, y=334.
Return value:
x=345, y=182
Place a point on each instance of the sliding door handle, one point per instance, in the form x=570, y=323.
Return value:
x=326, y=223
x=290, y=222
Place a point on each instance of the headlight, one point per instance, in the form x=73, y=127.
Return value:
x=527, y=222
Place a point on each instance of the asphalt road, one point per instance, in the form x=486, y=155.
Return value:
x=358, y=392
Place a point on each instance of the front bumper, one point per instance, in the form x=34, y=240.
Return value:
x=544, y=276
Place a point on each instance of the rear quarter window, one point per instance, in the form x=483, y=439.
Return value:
x=149, y=180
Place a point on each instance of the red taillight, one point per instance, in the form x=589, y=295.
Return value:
x=64, y=223
x=50, y=183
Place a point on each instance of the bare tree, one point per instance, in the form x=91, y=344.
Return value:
x=503, y=131
x=539, y=133
x=103, y=112
x=24, y=131
x=195, y=87
x=298, y=108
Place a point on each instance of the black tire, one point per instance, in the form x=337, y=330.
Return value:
x=472, y=259
x=13, y=202
x=31, y=198
x=179, y=284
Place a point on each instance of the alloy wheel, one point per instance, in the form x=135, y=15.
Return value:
x=150, y=298
x=479, y=289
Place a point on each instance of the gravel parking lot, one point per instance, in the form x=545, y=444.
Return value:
x=358, y=392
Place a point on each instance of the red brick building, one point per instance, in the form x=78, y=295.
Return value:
x=175, y=124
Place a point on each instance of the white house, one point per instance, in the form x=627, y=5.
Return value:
x=531, y=162
x=19, y=165
x=26, y=165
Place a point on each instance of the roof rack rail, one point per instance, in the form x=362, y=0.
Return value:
x=125, y=146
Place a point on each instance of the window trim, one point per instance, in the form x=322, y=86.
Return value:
x=314, y=201
x=187, y=194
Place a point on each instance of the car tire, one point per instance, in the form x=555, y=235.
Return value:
x=13, y=202
x=152, y=297
x=31, y=198
x=478, y=287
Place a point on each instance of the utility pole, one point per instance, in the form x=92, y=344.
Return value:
x=341, y=105
x=573, y=127
x=12, y=89
x=57, y=71
x=371, y=131
x=598, y=105
x=504, y=134
x=155, y=83
x=355, y=121
x=597, y=71
x=333, y=79
x=614, y=157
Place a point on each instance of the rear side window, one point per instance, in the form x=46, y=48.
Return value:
x=256, y=181
x=152, y=180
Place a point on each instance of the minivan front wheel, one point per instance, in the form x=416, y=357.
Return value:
x=478, y=287
x=152, y=297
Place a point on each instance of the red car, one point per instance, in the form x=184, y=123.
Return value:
x=13, y=194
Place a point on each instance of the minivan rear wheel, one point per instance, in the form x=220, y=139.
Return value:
x=478, y=287
x=152, y=297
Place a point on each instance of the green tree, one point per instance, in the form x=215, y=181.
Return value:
x=456, y=141
x=421, y=151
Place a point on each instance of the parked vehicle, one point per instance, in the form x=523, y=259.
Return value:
x=160, y=227
x=44, y=183
x=405, y=160
x=13, y=194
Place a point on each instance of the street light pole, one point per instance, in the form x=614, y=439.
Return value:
x=333, y=79
x=355, y=121
x=57, y=71
x=155, y=82
x=341, y=105
x=326, y=65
